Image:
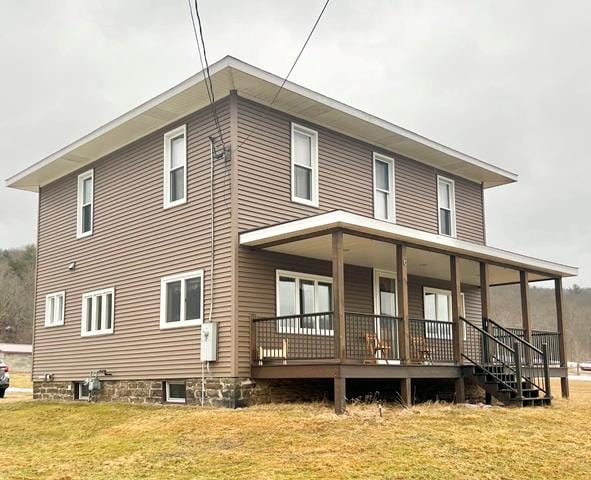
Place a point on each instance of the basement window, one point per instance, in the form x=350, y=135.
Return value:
x=81, y=391
x=84, y=215
x=98, y=311
x=176, y=392
x=54, y=309
x=175, y=167
x=304, y=165
x=181, y=300
x=446, y=202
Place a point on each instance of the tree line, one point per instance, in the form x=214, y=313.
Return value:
x=17, y=287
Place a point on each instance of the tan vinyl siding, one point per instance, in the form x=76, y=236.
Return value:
x=345, y=178
x=134, y=243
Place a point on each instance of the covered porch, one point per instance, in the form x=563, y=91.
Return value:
x=429, y=315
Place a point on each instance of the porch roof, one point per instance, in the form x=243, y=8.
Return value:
x=304, y=230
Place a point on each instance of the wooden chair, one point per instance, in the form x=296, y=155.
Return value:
x=420, y=350
x=274, y=353
x=374, y=346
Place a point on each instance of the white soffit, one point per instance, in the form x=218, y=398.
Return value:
x=340, y=219
x=260, y=86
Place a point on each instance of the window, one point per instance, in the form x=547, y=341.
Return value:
x=301, y=294
x=81, y=391
x=181, y=300
x=98, y=309
x=85, y=201
x=54, y=309
x=175, y=167
x=446, y=200
x=437, y=306
x=383, y=188
x=176, y=392
x=304, y=165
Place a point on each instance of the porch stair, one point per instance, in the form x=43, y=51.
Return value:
x=507, y=367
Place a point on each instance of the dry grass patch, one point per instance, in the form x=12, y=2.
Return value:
x=21, y=380
x=108, y=441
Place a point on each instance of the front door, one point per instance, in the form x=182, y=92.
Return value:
x=385, y=305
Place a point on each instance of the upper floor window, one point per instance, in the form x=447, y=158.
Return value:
x=175, y=167
x=446, y=199
x=54, y=309
x=85, y=204
x=304, y=165
x=181, y=300
x=383, y=188
x=98, y=311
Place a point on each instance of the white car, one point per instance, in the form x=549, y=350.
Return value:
x=585, y=366
x=4, y=378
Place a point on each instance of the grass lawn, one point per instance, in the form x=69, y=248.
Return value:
x=109, y=441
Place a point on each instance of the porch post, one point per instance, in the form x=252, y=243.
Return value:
x=404, y=329
x=558, y=292
x=458, y=337
x=525, y=315
x=338, y=292
x=485, y=308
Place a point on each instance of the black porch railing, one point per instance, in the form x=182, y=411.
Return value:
x=431, y=341
x=538, y=338
x=371, y=337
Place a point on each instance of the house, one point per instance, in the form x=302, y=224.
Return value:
x=274, y=252
x=17, y=355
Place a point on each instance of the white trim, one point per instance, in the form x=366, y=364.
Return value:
x=352, y=221
x=298, y=276
x=55, y=296
x=391, y=213
x=236, y=70
x=376, y=297
x=447, y=293
x=182, y=277
x=168, y=137
x=452, y=203
x=79, y=203
x=313, y=135
x=95, y=331
x=168, y=398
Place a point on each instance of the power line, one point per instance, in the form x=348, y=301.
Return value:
x=291, y=69
x=205, y=68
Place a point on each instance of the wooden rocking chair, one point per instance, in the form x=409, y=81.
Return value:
x=421, y=352
x=374, y=346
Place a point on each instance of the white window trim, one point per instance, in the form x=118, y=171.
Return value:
x=79, y=386
x=313, y=134
x=168, y=136
x=377, y=273
x=79, y=204
x=300, y=276
x=174, y=278
x=168, y=398
x=443, y=291
x=452, y=184
x=102, y=331
x=55, y=296
x=391, y=217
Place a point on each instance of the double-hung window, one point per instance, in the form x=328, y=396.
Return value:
x=181, y=300
x=84, y=215
x=383, y=188
x=304, y=165
x=307, y=299
x=175, y=167
x=98, y=312
x=446, y=199
x=437, y=305
x=54, y=309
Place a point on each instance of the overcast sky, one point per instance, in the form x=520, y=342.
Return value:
x=505, y=81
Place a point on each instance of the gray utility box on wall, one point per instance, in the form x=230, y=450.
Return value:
x=209, y=341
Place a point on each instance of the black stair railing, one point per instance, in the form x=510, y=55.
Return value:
x=534, y=364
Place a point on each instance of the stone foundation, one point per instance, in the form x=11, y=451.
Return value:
x=219, y=392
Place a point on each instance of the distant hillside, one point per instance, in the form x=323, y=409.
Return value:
x=17, y=280
x=17, y=291
x=506, y=309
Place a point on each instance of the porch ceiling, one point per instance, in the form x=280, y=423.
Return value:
x=310, y=237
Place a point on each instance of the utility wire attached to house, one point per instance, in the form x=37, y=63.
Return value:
x=290, y=70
